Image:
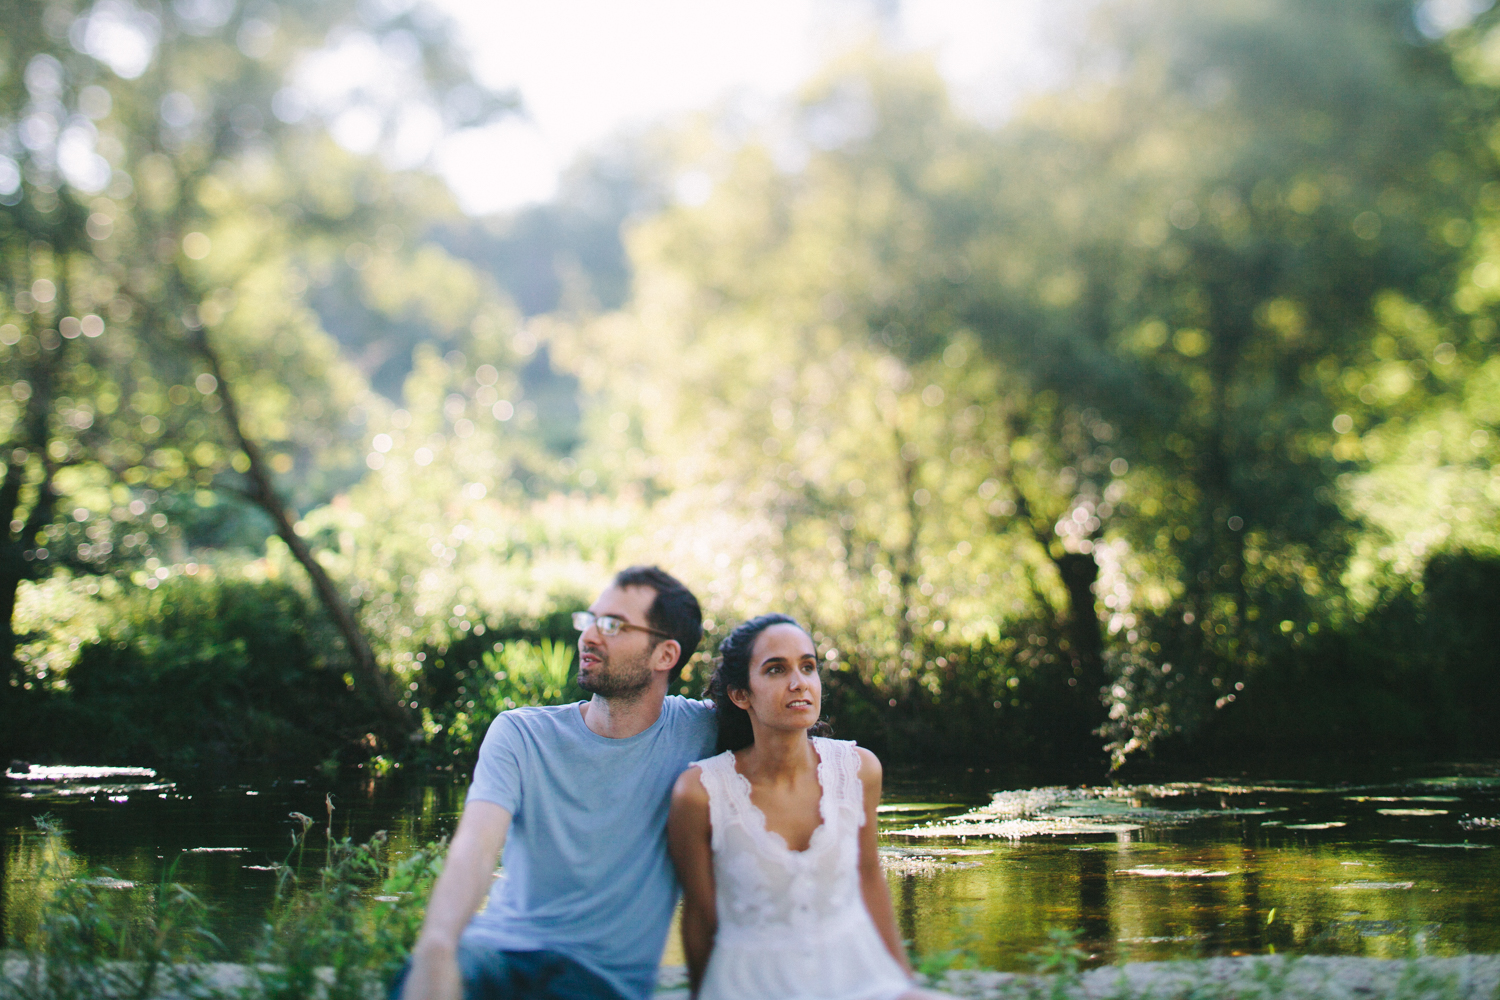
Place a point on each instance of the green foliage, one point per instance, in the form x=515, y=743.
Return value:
x=1061, y=959
x=508, y=674
x=1154, y=414
x=87, y=945
x=934, y=965
x=529, y=675
x=199, y=669
x=349, y=929
x=343, y=933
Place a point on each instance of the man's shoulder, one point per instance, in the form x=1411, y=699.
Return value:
x=693, y=708
x=550, y=712
x=691, y=714
x=534, y=719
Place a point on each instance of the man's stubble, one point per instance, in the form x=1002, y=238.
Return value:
x=625, y=678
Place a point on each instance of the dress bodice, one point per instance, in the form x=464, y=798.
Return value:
x=764, y=888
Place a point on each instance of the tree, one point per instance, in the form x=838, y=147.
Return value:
x=224, y=194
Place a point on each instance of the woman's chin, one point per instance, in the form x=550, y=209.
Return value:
x=794, y=721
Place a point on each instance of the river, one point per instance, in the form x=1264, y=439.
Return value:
x=1387, y=860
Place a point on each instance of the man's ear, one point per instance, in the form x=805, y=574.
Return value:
x=664, y=656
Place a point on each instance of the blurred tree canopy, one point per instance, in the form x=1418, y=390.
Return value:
x=1165, y=404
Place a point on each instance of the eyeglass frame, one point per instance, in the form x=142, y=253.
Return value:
x=593, y=620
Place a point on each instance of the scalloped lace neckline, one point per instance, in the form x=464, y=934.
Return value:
x=762, y=829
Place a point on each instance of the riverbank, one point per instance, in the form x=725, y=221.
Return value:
x=1276, y=977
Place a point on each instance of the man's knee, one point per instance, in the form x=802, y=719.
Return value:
x=548, y=975
x=483, y=973
x=491, y=974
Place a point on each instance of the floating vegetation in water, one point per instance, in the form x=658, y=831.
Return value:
x=105, y=882
x=216, y=850
x=1465, y=846
x=913, y=807
x=1334, y=824
x=1173, y=872
x=901, y=861
x=1412, y=812
x=1215, y=786
x=1035, y=812
x=1376, y=885
x=1015, y=829
x=1480, y=823
x=1378, y=928
x=1460, y=783
x=37, y=772
x=1402, y=798
x=83, y=791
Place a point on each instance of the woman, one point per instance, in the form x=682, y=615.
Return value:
x=775, y=841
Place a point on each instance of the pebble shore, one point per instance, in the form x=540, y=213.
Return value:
x=1468, y=977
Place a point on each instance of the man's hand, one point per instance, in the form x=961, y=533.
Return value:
x=433, y=974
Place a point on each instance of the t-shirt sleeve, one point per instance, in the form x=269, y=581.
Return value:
x=497, y=776
x=705, y=722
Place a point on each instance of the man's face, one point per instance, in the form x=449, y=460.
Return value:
x=618, y=665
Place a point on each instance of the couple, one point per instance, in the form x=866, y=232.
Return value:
x=773, y=840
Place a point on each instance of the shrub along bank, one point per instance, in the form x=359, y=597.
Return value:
x=228, y=671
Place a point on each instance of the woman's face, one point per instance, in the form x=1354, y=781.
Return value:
x=785, y=689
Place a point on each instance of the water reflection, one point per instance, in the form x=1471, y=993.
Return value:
x=1141, y=872
x=1209, y=868
x=220, y=839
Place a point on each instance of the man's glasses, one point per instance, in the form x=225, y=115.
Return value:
x=608, y=624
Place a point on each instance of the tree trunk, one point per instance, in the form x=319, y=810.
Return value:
x=1080, y=621
x=1085, y=637
x=905, y=566
x=263, y=493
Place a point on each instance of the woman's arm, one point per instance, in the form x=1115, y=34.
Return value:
x=689, y=834
x=872, y=882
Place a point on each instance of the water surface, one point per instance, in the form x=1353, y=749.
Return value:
x=1394, y=861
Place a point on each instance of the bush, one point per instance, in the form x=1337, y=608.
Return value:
x=217, y=670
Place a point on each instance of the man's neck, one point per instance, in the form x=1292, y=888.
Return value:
x=623, y=717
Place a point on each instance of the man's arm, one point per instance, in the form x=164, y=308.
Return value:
x=688, y=839
x=467, y=873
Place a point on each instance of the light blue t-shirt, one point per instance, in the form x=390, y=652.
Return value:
x=586, y=866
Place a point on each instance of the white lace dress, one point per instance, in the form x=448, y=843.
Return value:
x=793, y=924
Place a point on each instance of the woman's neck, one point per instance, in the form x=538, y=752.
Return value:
x=778, y=755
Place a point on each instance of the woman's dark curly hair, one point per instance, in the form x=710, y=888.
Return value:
x=733, y=673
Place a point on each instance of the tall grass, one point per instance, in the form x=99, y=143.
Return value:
x=337, y=931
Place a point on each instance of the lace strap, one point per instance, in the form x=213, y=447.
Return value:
x=839, y=773
x=719, y=776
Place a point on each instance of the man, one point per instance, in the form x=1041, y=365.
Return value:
x=577, y=796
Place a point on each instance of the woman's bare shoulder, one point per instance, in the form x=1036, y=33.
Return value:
x=870, y=770
x=689, y=789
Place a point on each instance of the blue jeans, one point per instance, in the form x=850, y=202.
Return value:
x=490, y=974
